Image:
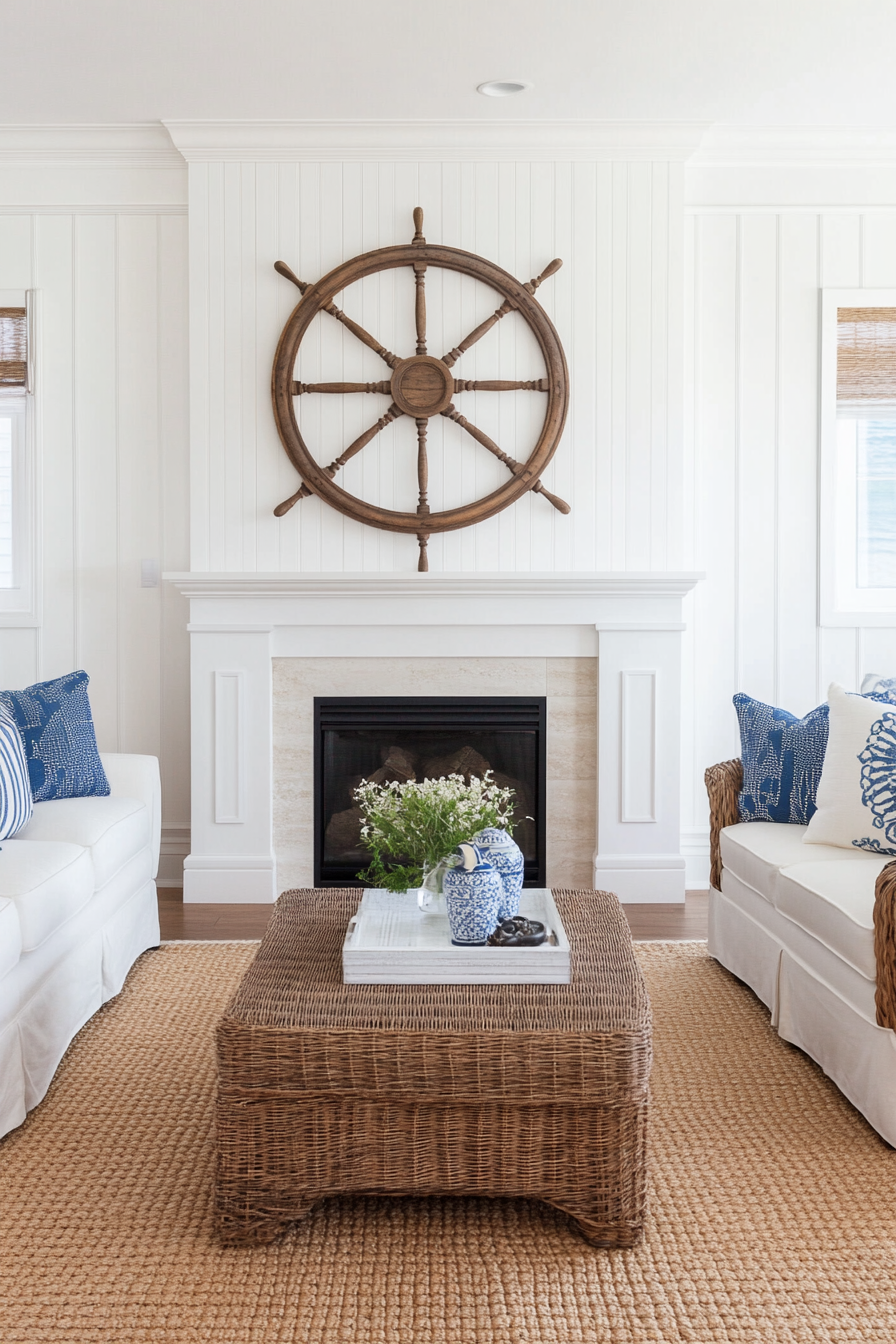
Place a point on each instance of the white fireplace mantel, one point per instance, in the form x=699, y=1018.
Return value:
x=239, y=622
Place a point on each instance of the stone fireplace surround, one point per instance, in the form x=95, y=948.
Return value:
x=605, y=649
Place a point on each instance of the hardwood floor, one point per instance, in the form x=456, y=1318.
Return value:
x=210, y=923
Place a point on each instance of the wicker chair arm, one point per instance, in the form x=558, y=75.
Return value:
x=723, y=784
x=885, y=946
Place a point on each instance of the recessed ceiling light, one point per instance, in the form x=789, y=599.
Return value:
x=503, y=88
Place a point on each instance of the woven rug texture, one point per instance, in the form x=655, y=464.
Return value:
x=773, y=1204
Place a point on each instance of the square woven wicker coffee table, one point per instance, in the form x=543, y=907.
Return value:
x=536, y=1091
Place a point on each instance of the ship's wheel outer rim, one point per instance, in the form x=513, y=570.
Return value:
x=314, y=300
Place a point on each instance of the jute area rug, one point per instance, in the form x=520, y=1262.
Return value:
x=773, y=1213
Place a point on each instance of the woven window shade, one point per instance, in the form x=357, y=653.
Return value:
x=866, y=354
x=13, y=347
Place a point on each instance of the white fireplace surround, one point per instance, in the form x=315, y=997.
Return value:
x=240, y=622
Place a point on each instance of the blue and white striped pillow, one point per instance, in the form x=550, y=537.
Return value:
x=16, y=803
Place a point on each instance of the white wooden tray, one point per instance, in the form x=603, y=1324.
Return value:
x=390, y=941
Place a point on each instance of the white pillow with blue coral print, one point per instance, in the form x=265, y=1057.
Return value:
x=16, y=804
x=875, y=684
x=857, y=790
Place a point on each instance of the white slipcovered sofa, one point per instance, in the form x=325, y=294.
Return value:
x=796, y=923
x=77, y=907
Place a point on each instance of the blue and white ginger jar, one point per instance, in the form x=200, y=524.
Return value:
x=473, y=893
x=501, y=850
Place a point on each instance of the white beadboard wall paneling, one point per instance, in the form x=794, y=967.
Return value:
x=55, y=252
x=715, y=632
x=752, y=332
x=95, y=469
x=173, y=421
x=112, y=463
x=797, y=480
x=617, y=303
x=140, y=482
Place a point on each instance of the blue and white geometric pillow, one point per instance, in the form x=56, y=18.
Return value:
x=782, y=759
x=16, y=804
x=56, y=724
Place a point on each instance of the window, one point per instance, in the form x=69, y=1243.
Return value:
x=16, y=381
x=858, y=458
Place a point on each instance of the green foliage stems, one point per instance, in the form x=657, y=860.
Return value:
x=409, y=827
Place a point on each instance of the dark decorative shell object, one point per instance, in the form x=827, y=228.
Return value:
x=518, y=932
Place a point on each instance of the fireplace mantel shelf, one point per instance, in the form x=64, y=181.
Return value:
x=616, y=583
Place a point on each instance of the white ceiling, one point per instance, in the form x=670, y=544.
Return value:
x=772, y=62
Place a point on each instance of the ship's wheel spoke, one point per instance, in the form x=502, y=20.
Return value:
x=384, y=388
x=507, y=306
x=511, y=463
x=500, y=385
x=360, y=442
x=423, y=488
x=362, y=335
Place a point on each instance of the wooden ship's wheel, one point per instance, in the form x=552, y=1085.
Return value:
x=420, y=387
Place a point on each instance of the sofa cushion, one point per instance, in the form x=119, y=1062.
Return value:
x=835, y=903
x=113, y=829
x=48, y=882
x=10, y=935
x=756, y=850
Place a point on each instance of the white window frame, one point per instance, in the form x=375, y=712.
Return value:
x=841, y=600
x=18, y=603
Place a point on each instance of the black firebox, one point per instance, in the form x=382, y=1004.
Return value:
x=423, y=737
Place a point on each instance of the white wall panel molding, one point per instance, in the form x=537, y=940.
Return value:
x=231, y=834
x=638, y=850
x=468, y=141
x=230, y=775
x=637, y=784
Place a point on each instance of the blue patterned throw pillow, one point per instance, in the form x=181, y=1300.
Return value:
x=60, y=744
x=782, y=759
x=15, y=787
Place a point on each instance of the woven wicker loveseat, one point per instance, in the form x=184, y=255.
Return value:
x=811, y=929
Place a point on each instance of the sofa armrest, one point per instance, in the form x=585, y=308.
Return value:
x=138, y=777
x=723, y=784
x=885, y=946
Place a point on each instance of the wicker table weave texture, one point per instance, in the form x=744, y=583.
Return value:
x=538, y=1091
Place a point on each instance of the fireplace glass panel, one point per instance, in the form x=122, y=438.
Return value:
x=405, y=738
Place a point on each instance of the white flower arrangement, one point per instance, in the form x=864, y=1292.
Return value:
x=411, y=826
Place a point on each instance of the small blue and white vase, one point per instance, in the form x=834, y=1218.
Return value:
x=473, y=894
x=501, y=850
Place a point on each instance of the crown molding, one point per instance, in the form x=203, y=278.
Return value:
x=464, y=141
x=132, y=145
x=734, y=146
